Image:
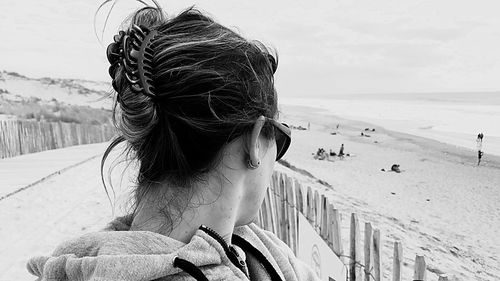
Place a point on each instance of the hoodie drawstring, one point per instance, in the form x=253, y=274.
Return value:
x=190, y=269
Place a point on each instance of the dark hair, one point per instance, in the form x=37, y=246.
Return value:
x=211, y=86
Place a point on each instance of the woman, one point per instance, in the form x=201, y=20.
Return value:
x=196, y=107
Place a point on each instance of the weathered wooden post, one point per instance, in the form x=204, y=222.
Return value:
x=336, y=232
x=420, y=269
x=324, y=225
x=368, y=252
x=272, y=210
x=20, y=134
x=310, y=209
x=299, y=200
x=329, y=222
x=355, y=262
x=292, y=227
x=299, y=208
x=276, y=202
x=317, y=210
x=283, y=209
x=397, y=261
x=264, y=210
x=260, y=221
x=376, y=254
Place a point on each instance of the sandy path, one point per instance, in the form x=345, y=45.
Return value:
x=24, y=170
x=44, y=215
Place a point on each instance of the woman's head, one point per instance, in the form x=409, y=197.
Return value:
x=210, y=86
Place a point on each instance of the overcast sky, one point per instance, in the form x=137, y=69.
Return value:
x=325, y=47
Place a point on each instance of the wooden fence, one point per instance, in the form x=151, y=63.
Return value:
x=21, y=137
x=286, y=200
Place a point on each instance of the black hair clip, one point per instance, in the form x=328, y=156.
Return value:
x=133, y=51
x=114, y=54
x=274, y=64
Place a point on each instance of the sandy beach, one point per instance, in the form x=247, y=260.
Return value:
x=441, y=205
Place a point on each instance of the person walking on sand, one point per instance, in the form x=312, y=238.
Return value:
x=203, y=167
x=479, y=156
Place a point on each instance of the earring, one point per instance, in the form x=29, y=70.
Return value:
x=251, y=165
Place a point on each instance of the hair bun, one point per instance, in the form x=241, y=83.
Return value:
x=148, y=17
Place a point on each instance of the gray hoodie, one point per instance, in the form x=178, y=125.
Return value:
x=119, y=254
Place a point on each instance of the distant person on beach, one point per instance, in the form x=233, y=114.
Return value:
x=196, y=109
x=321, y=154
x=341, y=151
x=308, y=126
x=479, y=156
x=479, y=141
x=480, y=152
x=395, y=168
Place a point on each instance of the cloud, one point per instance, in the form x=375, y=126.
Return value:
x=429, y=33
x=328, y=46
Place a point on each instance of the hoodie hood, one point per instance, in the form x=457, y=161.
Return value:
x=133, y=255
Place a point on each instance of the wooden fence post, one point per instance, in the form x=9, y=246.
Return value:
x=368, y=252
x=309, y=202
x=276, y=201
x=299, y=208
x=317, y=210
x=336, y=232
x=420, y=269
x=355, y=262
x=264, y=211
x=397, y=261
x=292, y=215
x=330, y=225
x=283, y=210
x=324, y=226
x=376, y=254
x=260, y=221
x=299, y=202
x=35, y=142
x=272, y=209
x=20, y=132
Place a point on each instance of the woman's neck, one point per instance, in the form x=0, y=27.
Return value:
x=215, y=207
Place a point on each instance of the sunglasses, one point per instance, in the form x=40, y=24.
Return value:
x=283, y=136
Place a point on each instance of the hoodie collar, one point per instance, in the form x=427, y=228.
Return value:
x=130, y=255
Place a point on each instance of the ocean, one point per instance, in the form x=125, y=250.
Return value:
x=452, y=118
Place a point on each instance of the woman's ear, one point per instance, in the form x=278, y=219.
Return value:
x=254, y=143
